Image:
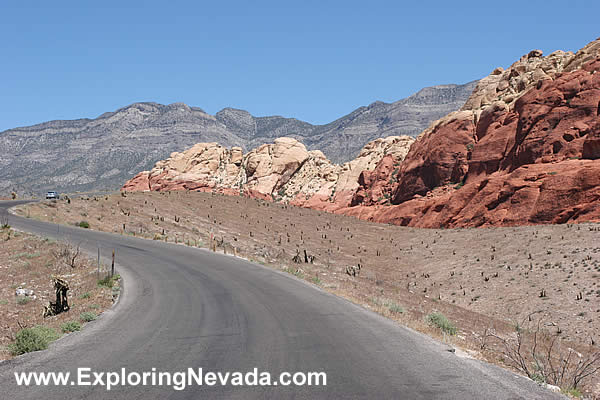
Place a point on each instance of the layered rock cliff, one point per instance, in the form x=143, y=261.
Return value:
x=524, y=149
x=281, y=171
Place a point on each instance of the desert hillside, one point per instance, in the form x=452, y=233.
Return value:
x=484, y=280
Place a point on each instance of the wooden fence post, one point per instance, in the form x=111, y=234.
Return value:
x=98, y=263
x=112, y=266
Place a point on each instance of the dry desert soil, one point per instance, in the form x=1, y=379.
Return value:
x=29, y=262
x=484, y=280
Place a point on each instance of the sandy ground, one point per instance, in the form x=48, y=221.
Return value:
x=29, y=262
x=481, y=279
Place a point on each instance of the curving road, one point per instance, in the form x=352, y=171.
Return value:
x=184, y=307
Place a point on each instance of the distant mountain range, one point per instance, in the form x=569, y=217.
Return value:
x=102, y=153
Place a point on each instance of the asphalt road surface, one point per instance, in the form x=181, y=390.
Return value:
x=189, y=308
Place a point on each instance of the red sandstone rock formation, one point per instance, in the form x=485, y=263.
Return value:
x=533, y=160
x=281, y=171
x=525, y=149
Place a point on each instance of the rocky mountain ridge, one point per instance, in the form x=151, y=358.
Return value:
x=102, y=153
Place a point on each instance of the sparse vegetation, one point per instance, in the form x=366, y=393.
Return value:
x=576, y=393
x=439, y=320
x=23, y=300
x=108, y=281
x=83, y=224
x=395, y=308
x=29, y=262
x=33, y=339
x=87, y=316
x=520, y=269
x=70, y=326
x=538, y=353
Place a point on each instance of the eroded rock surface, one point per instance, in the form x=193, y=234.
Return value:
x=281, y=171
x=525, y=149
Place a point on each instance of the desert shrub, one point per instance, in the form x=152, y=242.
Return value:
x=85, y=295
x=543, y=357
x=108, y=281
x=395, y=308
x=87, y=316
x=83, y=224
x=23, y=300
x=33, y=339
x=70, y=326
x=439, y=320
x=575, y=393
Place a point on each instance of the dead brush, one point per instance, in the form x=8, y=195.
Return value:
x=542, y=356
x=4, y=222
x=66, y=255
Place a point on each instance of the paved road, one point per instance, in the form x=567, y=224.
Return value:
x=185, y=307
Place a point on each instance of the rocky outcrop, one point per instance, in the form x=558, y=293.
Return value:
x=525, y=149
x=281, y=171
x=533, y=194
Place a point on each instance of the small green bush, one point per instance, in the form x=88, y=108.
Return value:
x=70, y=326
x=108, y=281
x=87, y=316
x=576, y=393
x=83, y=224
x=23, y=300
x=439, y=320
x=85, y=295
x=395, y=308
x=33, y=339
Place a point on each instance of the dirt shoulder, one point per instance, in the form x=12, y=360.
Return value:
x=482, y=280
x=27, y=265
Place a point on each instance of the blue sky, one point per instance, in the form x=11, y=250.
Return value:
x=313, y=60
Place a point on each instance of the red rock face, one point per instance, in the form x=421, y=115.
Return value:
x=556, y=119
x=535, y=160
x=138, y=183
x=537, y=163
x=438, y=158
x=567, y=191
x=376, y=186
